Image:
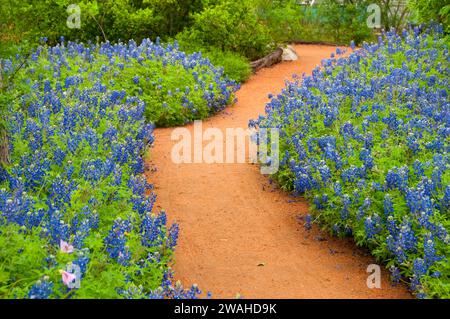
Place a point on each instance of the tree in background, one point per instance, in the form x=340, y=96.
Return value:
x=4, y=145
x=345, y=21
x=229, y=25
x=393, y=13
x=3, y=156
x=318, y=21
x=27, y=20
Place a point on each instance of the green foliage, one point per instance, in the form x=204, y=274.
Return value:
x=345, y=22
x=325, y=21
x=173, y=85
x=350, y=129
x=28, y=21
x=394, y=14
x=30, y=252
x=424, y=11
x=4, y=98
x=234, y=66
x=229, y=26
x=283, y=18
x=20, y=260
x=111, y=19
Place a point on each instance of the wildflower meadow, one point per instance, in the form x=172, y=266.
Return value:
x=97, y=98
x=366, y=139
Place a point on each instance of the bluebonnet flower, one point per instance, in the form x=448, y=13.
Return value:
x=133, y=292
x=308, y=221
x=158, y=293
x=42, y=289
x=151, y=229
x=59, y=230
x=430, y=256
x=81, y=232
x=418, y=168
x=116, y=241
x=364, y=208
x=325, y=173
x=436, y=274
x=419, y=270
x=59, y=156
x=178, y=291
x=397, y=178
x=372, y=226
x=388, y=206
x=172, y=238
x=337, y=189
x=346, y=201
x=445, y=202
x=367, y=158
x=82, y=262
x=395, y=275
x=336, y=229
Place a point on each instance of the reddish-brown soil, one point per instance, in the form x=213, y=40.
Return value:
x=239, y=233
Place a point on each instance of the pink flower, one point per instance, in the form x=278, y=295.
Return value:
x=67, y=277
x=65, y=247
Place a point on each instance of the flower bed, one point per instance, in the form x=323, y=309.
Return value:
x=366, y=140
x=76, y=216
x=177, y=88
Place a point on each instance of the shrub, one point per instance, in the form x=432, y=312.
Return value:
x=111, y=19
x=394, y=14
x=284, y=19
x=425, y=11
x=345, y=22
x=229, y=26
x=366, y=140
x=235, y=66
x=326, y=21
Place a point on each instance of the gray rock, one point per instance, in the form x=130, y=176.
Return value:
x=289, y=54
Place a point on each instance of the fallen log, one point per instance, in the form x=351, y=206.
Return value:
x=268, y=60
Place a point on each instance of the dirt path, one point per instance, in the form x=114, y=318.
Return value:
x=239, y=234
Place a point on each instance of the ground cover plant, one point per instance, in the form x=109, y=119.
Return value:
x=424, y=11
x=366, y=140
x=74, y=206
x=176, y=87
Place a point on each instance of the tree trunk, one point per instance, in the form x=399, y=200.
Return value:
x=4, y=147
x=4, y=144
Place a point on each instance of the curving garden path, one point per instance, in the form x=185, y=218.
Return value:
x=239, y=233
